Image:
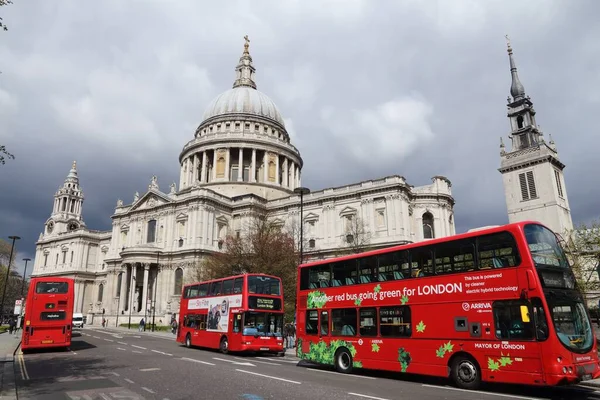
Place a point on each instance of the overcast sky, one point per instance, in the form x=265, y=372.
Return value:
x=367, y=89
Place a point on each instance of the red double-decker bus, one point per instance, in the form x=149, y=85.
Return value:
x=239, y=313
x=48, y=313
x=499, y=304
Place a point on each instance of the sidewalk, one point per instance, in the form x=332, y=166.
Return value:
x=8, y=347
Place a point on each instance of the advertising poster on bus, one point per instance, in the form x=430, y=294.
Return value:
x=218, y=310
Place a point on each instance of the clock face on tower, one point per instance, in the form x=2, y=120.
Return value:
x=73, y=226
x=50, y=227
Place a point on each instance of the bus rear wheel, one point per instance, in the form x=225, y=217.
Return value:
x=465, y=373
x=188, y=341
x=224, y=346
x=343, y=361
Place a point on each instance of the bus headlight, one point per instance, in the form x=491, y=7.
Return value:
x=564, y=370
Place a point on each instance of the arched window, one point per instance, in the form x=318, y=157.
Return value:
x=151, y=237
x=428, y=232
x=178, y=281
x=520, y=121
x=100, y=292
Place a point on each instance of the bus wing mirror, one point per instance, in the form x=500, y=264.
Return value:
x=525, y=314
x=531, y=282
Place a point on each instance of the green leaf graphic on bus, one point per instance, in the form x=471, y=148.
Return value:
x=357, y=364
x=324, y=354
x=421, y=327
x=357, y=302
x=445, y=348
x=503, y=361
x=377, y=288
x=316, y=299
x=299, y=348
x=374, y=347
x=404, y=359
x=493, y=365
x=404, y=300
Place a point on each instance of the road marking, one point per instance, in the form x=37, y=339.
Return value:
x=117, y=337
x=367, y=397
x=148, y=390
x=113, y=373
x=149, y=369
x=139, y=347
x=161, y=352
x=96, y=337
x=337, y=373
x=480, y=392
x=120, y=348
x=129, y=380
x=255, y=360
x=268, y=376
x=109, y=340
x=137, y=337
x=235, y=362
x=197, y=361
x=122, y=343
x=22, y=367
x=281, y=360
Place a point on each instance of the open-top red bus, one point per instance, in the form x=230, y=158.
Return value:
x=48, y=313
x=499, y=304
x=239, y=313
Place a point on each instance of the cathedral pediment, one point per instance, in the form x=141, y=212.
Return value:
x=311, y=217
x=151, y=200
x=348, y=211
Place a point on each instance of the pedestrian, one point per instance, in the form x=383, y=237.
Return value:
x=292, y=339
x=11, y=325
x=142, y=324
x=174, y=326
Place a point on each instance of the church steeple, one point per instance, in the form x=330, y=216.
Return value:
x=245, y=71
x=68, y=201
x=524, y=130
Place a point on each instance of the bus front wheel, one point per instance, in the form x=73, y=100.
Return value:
x=224, y=347
x=466, y=373
x=188, y=341
x=343, y=361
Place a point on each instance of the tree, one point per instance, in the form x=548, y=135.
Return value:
x=293, y=228
x=3, y=3
x=357, y=235
x=583, y=251
x=265, y=247
x=15, y=280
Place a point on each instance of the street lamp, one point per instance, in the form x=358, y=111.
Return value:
x=14, y=238
x=24, y=275
x=154, y=292
x=301, y=191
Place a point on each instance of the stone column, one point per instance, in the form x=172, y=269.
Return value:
x=123, y=294
x=241, y=166
x=195, y=175
x=204, y=176
x=253, y=167
x=132, y=287
x=265, y=168
x=145, y=287
x=277, y=181
x=159, y=298
x=286, y=180
x=293, y=176
x=228, y=164
x=214, y=170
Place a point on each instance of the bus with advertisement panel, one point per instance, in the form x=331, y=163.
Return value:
x=48, y=313
x=496, y=305
x=239, y=313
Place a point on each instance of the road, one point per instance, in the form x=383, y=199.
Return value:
x=107, y=364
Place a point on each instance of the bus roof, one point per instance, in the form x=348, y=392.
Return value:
x=231, y=277
x=471, y=233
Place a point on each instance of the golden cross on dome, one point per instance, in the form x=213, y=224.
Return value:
x=507, y=41
x=246, y=44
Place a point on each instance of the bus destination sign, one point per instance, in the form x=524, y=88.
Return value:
x=264, y=303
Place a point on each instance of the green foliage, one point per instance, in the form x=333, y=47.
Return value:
x=404, y=300
x=324, y=354
x=374, y=347
x=3, y=328
x=445, y=348
x=404, y=359
x=316, y=299
x=421, y=327
x=377, y=288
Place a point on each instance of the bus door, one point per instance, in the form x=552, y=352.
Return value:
x=324, y=323
x=235, y=332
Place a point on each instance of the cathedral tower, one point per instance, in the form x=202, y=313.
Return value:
x=68, y=202
x=532, y=172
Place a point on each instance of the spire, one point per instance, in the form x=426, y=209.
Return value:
x=72, y=178
x=517, y=91
x=244, y=72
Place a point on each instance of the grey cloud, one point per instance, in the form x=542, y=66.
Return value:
x=121, y=86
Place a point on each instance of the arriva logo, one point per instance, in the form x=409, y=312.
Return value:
x=476, y=306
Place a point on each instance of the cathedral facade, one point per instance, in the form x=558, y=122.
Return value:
x=239, y=163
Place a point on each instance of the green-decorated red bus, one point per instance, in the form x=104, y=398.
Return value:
x=238, y=313
x=499, y=304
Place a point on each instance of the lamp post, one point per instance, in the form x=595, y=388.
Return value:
x=301, y=191
x=24, y=275
x=154, y=292
x=14, y=239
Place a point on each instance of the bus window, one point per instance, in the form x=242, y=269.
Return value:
x=392, y=266
x=203, y=290
x=52, y=287
x=344, y=273
x=422, y=262
x=498, y=250
x=368, y=322
x=324, y=323
x=193, y=291
x=215, y=288
x=237, y=285
x=395, y=321
x=367, y=268
x=312, y=322
x=343, y=322
x=227, y=286
x=319, y=276
x=509, y=323
x=455, y=257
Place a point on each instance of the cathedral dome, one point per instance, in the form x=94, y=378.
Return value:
x=243, y=100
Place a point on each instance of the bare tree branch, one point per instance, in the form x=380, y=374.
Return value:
x=583, y=250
